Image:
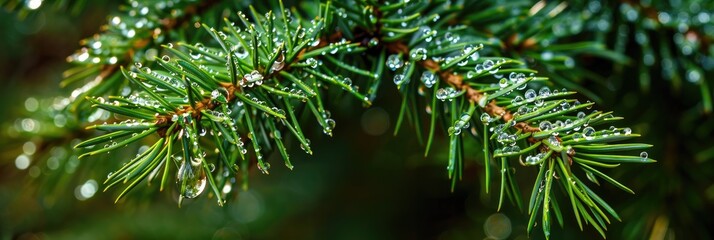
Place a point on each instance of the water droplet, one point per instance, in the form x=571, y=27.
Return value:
x=553, y=140
x=545, y=125
x=626, y=131
x=644, y=156
x=513, y=77
x=394, y=62
x=503, y=83
x=399, y=79
x=517, y=99
x=564, y=105
x=347, y=81
x=488, y=64
x=418, y=54
x=581, y=115
x=191, y=179
x=485, y=118
x=544, y=92
x=589, y=132
x=428, y=78
x=530, y=95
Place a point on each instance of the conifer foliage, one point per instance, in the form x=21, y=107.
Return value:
x=215, y=92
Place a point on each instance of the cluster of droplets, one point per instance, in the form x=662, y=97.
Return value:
x=505, y=138
x=533, y=159
x=394, y=62
x=428, y=78
x=514, y=78
x=140, y=101
x=302, y=94
x=489, y=66
x=251, y=79
x=589, y=133
x=461, y=123
x=446, y=93
x=448, y=38
x=507, y=150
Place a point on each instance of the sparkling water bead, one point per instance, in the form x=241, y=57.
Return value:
x=428, y=78
x=530, y=95
x=544, y=92
x=627, y=131
x=488, y=64
x=503, y=83
x=394, y=62
x=644, y=156
x=513, y=77
x=418, y=54
x=191, y=179
x=545, y=125
x=399, y=79
x=589, y=132
x=581, y=115
x=485, y=118
x=442, y=94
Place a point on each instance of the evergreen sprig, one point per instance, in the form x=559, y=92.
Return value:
x=212, y=108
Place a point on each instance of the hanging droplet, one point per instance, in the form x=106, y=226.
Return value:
x=264, y=167
x=394, y=62
x=441, y=94
x=428, y=78
x=418, y=54
x=191, y=179
x=485, y=118
x=517, y=99
x=399, y=79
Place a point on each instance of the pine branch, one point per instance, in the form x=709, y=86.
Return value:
x=200, y=101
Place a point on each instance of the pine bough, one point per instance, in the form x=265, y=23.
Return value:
x=218, y=106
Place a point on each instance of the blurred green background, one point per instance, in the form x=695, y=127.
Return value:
x=361, y=184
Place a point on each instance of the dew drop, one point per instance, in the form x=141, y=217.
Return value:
x=191, y=179
x=589, y=132
x=485, y=118
x=428, y=78
x=626, y=131
x=394, y=62
x=530, y=95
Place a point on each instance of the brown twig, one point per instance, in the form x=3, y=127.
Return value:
x=457, y=82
